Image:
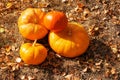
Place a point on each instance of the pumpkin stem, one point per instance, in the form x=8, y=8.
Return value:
x=34, y=42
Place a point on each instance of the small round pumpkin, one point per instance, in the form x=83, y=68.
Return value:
x=30, y=24
x=70, y=42
x=33, y=53
x=55, y=21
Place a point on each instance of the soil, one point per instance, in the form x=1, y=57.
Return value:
x=101, y=61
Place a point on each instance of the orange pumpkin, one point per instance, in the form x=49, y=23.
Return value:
x=71, y=42
x=33, y=53
x=30, y=24
x=55, y=21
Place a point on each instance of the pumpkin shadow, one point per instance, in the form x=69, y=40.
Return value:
x=97, y=50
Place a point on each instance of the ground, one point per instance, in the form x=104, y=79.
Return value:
x=101, y=61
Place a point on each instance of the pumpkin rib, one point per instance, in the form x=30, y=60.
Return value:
x=40, y=17
x=50, y=41
x=67, y=47
x=43, y=52
x=56, y=43
x=36, y=16
x=31, y=56
x=72, y=49
x=26, y=51
x=60, y=46
x=34, y=55
x=53, y=37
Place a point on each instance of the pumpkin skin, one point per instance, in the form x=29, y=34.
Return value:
x=33, y=54
x=30, y=24
x=71, y=42
x=55, y=21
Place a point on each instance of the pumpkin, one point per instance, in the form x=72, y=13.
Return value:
x=70, y=42
x=30, y=24
x=33, y=53
x=55, y=21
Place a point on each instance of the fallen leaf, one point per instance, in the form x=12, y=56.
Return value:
x=63, y=74
x=11, y=64
x=86, y=12
x=107, y=73
x=18, y=60
x=58, y=55
x=85, y=69
x=35, y=70
x=13, y=48
x=98, y=63
x=22, y=77
x=31, y=77
x=93, y=69
x=4, y=68
x=69, y=76
x=2, y=30
x=6, y=59
x=9, y=5
x=64, y=1
x=114, y=50
x=113, y=70
x=80, y=5
x=7, y=48
x=43, y=4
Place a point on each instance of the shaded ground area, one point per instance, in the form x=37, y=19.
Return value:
x=101, y=18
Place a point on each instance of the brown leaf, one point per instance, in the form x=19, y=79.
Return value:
x=22, y=77
x=18, y=60
x=4, y=68
x=35, y=70
x=80, y=5
x=42, y=5
x=69, y=76
x=113, y=70
x=2, y=30
x=93, y=69
x=11, y=64
x=31, y=77
x=98, y=63
x=85, y=69
x=115, y=50
x=59, y=56
x=107, y=73
x=9, y=5
x=6, y=59
x=7, y=48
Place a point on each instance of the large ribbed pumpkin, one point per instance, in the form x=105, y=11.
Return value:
x=30, y=24
x=70, y=42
